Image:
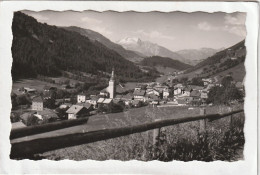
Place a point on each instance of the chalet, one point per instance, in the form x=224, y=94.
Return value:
x=195, y=94
x=153, y=99
x=37, y=104
x=93, y=100
x=81, y=98
x=239, y=85
x=198, y=88
x=204, y=94
x=47, y=114
x=65, y=86
x=166, y=94
x=25, y=116
x=76, y=111
x=87, y=105
x=105, y=102
x=177, y=91
x=153, y=92
x=206, y=81
x=103, y=93
x=65, y=105
x=29, y=90
x=186, y=91
x=139, y=95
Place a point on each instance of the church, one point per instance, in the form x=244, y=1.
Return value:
x=110, y=91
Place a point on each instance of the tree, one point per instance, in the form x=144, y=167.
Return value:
x=226, y=81
x=197, y=81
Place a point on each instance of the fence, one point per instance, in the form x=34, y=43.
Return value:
x=28, y=148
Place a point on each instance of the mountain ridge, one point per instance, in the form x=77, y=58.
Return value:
x=41, y=49
x=95, y=36
x=148, y=48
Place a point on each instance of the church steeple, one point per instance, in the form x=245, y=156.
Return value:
x=112, y=75
x=112, y=86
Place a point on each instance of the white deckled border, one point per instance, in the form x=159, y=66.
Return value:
x=246, y=167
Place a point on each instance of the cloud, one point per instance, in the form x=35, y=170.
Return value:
x=206, y=26
x=40, y=17
x=238, y=19
x=237, y=30
x=234, y=24
x=90, y=20
x=154, y=34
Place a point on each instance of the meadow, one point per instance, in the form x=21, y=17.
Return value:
x=221, y=141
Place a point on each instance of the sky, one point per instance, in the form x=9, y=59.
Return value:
x=173, y=30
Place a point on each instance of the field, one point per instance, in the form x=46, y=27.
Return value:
x=238, y=72
x=31, y=83
x=179, y=142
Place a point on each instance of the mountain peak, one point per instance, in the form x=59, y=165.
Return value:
x=130, y=40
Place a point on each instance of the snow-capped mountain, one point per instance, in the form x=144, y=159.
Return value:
x=148, y=48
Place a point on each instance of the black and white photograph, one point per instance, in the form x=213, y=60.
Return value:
x=123, y=86
x=103, y=89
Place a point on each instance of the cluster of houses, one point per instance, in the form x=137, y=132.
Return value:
x=152, y=94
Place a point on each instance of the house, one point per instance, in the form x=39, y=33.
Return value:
x=239, y=85
x=204, y=94
x=106, y=102
x=153, y=99
x=29, y=90
x=25, y=116
x=87, y=105
x=104, y=93
x=186, y=91
x=65, y=105
x=65, y=86
x=139, y=95
x=206, y=81
x=195, y=94
x=195, y=87
x=81, y=98
x=37, y=104
x=76, y=111
x=166, y=94
x=46, y=115
x=154, y=92
x=177, y=91
x=128, y=98
x=93, y=100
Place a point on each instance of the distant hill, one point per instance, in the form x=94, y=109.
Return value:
x=149, y=49
x=222, y=61
x=48, y=50
x=195, y=56
x=155, y=61
x=95, y=36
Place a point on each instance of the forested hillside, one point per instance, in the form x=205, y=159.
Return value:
x=165, y=62
x=48, y=50
x=221, y=61
x=95, y=36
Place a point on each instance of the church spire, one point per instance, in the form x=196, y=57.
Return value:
x=112, y=75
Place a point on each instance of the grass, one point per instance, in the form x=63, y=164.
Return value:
x=221, y=141
x=31, y=83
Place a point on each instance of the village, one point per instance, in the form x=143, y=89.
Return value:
x=153, y=94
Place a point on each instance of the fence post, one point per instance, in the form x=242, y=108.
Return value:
x=203, y=122
x=156, y=134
